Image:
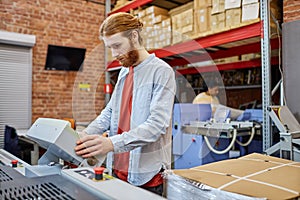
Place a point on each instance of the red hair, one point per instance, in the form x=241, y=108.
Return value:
x=121, y=22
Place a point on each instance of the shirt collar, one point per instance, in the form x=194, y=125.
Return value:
x=125, y=70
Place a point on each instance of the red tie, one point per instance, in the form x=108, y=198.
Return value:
x=121, y=160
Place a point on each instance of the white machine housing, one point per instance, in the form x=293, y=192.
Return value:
x=57, y=137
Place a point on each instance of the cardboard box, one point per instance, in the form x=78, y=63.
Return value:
x=182, y=16
x=156, y=10
x=229, y=4
x=159, y=18
x=233, y=17
x=141, y=13
x=202, y=19
x=202, y=3
x=166, y=23
x=254, y=175
x=249, y=1
x=217, y=22
x=182, y=19
x=218, y=6
x=250, y=11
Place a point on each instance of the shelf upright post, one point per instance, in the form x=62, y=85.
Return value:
x=266, y=72
x=107, y=74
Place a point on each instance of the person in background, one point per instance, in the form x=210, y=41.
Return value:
x=210, y=95
x=138, y=115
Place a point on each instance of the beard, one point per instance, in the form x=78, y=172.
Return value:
x=129, y=59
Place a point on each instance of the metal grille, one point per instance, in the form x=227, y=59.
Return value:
x=4, y=177
x=13, y=185
x=39, y=191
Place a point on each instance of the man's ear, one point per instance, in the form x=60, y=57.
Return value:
x=135, y=37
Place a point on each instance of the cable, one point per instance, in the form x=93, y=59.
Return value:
x=222, y=151
x=248, y=142
x=278, y=33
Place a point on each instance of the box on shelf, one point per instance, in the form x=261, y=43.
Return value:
x=244, y=2
x=152, y=18
x=157, y=26
x=253, y=176
x=202, y=19
x=217, y=22
x=156, y=10
x=166, y=23
x=218, y=6
x=120, y=3
x=202, y=3
x=227, y=60
x=250, y=11
x=229, y=4
x=250, y=56
x=158, y=35
x=140, y=13
x=159, y=18
x=233, y=17
x=182, y=19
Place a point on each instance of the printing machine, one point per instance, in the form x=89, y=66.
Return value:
x=52, y=180
x=200, y=137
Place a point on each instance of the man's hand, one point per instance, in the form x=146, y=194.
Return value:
x=92, y=145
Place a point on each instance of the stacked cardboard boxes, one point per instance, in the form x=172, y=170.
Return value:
x=233, y=13
x=251, y=11
x=199, y=18
x=120, y=3
x=182, y=22
x=202, y=14
x=218, y=15
x=157, y=26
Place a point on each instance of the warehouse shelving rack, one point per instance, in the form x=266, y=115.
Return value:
x=249, y=38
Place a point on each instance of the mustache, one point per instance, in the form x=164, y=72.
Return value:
x=125, y=55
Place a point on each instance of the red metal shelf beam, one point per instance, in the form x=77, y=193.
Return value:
x=133, y=5
x=241, y=33
x=234, y=51
x=228, y=66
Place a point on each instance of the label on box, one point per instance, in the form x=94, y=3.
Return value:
x=232, y=4
x=249, y=1
x=250, y=11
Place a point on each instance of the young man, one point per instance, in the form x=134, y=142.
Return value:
x=138, y=115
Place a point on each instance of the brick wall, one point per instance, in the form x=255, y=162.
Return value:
x=291, y=10
x=72, y=23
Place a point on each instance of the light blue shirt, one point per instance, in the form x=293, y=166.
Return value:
x=149, y=138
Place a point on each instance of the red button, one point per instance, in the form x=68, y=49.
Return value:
x=99, y=170
x=99, y=173
x=14, y=162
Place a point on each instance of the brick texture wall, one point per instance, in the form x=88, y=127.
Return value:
x=291, y=10
x=73, y=23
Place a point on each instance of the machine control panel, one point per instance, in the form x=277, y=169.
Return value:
x=89, y=174
x=106, y=188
